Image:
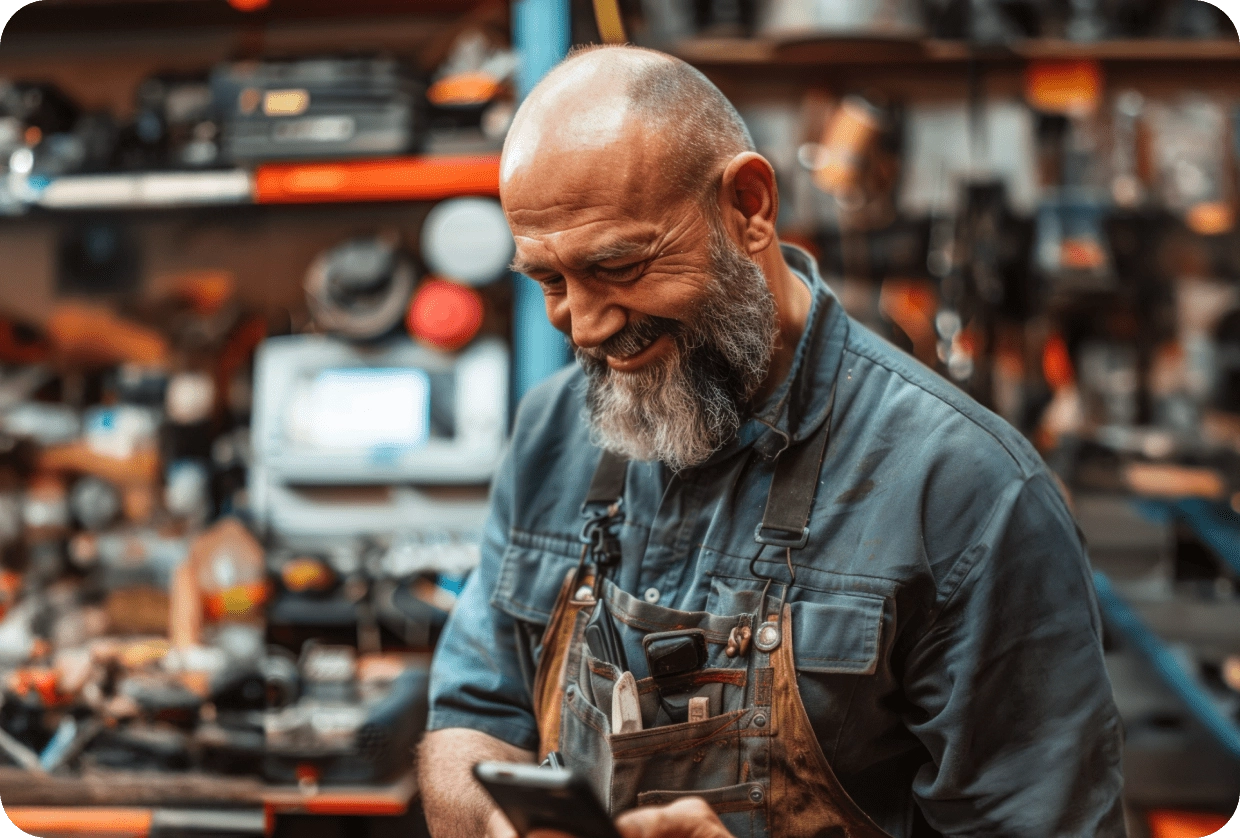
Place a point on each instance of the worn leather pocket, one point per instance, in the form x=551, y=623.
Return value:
x=676, y=738
x=737, y=798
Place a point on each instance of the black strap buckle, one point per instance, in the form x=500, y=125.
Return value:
x=598, y=533
x=790, y=499
x=765, y=535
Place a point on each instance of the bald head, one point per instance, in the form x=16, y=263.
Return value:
x=599, y=97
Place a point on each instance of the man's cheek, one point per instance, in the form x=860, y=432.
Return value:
x=674, y=295
x=557, y=311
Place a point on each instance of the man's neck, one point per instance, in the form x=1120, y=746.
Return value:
x=792, y=305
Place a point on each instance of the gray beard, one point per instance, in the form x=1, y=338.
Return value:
x=683, y=408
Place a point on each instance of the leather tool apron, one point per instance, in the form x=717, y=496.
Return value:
x=755, y=759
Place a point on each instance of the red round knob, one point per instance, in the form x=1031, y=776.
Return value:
x=445, y=315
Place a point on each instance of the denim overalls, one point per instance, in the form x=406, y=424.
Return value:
x=754, y=757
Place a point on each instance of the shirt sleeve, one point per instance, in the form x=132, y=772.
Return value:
x=1008, y=688
x=476, y=675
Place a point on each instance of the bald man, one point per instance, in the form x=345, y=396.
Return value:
x=749, y=569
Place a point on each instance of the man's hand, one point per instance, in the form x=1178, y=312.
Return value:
x=456, y=806
x=689, y=817
x=499, y=827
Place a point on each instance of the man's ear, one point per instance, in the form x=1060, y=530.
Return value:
x=749, y=200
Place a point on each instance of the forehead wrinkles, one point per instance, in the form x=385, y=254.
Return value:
x=577, y=243
x=574, y=191
x=580, y=248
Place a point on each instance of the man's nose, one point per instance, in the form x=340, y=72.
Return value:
x=588, y=316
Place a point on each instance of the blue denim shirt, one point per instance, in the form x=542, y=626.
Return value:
x=947, y=640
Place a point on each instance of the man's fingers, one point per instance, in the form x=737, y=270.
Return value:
x=499, y=827
x=689, y=817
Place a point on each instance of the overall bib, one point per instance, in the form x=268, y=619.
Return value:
x=754, y=756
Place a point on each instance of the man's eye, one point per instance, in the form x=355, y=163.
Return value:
x=624, y=273
x=551, y=283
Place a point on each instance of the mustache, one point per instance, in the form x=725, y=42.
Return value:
x=633, y=338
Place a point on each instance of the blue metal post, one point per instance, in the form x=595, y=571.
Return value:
x=1184, y=684
x=541, y=36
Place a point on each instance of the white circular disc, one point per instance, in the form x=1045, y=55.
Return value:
x=467, y=239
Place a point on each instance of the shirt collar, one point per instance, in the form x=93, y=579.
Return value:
x=799, y=405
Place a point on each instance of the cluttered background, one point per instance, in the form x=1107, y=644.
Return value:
x=259, y=350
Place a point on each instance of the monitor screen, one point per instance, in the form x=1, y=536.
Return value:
x=365, y=408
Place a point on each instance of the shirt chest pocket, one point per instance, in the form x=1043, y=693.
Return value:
x=837, y=632
x=833, y=632
x=531, y=573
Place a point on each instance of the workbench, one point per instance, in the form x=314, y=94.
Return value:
x=122, y=804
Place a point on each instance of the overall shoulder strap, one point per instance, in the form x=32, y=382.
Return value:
x=607, y=485
x=791, y=496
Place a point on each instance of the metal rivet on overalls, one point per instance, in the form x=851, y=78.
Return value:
x=651, y=596
x=759, y=720
x=584, y=594
x=756, y=794
x=767, y=639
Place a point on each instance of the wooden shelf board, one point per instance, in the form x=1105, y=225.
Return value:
x=809, y=51
x=40, y=797
x=394, y=179
x=125, y=788
x=414, y=178
x=1145, y=49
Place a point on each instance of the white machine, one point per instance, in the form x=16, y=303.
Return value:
x=391, y=441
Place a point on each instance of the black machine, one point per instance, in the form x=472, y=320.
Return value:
x=532, y=797
x=325, y=107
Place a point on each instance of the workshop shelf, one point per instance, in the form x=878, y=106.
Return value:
x=413, y=178
x=391, y=179
x=804, y=51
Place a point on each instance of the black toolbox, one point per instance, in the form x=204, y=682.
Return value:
x=318, y=108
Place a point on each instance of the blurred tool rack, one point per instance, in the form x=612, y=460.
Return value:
x=270, y=217
x=1166, y=635
x=1128, y=621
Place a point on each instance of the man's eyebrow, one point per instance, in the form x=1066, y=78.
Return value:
x=605, y=252
x=522, y=266
x=613, y=250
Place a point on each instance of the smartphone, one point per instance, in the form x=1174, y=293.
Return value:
x=545, y=798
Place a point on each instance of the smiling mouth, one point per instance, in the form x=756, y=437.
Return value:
x=654, y=350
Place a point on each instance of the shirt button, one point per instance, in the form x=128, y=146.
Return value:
x=651, y=596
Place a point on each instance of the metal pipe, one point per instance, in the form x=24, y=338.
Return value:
x=1187, y=688
x=541, y=34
